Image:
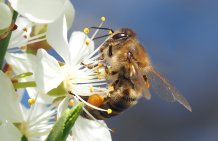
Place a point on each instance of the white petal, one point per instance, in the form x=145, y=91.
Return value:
x=41, y=97
x=78, y=47
x=48, y=74
x=8, y=132
x=70, y=14
x=21, y=63
x=40, y=11
x=9, y=103
x=62, y=106
x=5, y=16
x=89, y=130
x=17, y=37
x=57, y=38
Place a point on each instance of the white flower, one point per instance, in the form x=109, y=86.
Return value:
x=17, y=121
x=76, y=78
x=5, y=16
x=41, y=11
x=20, y=61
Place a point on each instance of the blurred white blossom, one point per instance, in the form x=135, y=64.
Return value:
x=17, y=121
x=5, y=16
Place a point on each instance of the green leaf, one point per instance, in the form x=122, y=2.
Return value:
x=64, y=124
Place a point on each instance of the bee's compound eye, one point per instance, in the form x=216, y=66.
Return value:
x=120, y=36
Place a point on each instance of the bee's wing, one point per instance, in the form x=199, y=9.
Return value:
x=162, y=87
x=138, y=79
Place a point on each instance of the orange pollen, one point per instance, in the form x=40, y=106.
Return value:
x=96, y=100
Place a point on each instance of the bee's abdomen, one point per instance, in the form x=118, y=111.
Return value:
x=116, y=104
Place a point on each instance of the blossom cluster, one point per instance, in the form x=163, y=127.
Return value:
x=35, y=86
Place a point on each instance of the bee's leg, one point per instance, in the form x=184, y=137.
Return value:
x=89, y=66
x=147, y=84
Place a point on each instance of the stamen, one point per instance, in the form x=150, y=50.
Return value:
x=31, y=101
x=93, y=118
x=86, y=30
x=102, y=21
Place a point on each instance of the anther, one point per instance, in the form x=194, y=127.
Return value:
x=25, y=36
x=100, y=64
x=110, y=32
x=91, y=89
x=111, y=89
x=87, y=42
x=99, y=76
x=103, y=19
x=86, y=30
x=97, y=70
x=109, y=111
x=31, y=101
x=25, y=29
x=71, y=103
x=113, y=130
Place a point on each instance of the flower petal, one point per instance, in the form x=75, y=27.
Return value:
x=10, y=107
x=57, y=38
x=48, y=73
x=69, y=13
x=8, y=132
x=62, y=106
x=40, y=11
x=90, y=130
x=22, y=63
x=5, y=16
x=78, y=47
x=19, y=36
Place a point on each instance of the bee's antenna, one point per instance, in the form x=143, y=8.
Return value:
x=104, y=28
x=101, y=36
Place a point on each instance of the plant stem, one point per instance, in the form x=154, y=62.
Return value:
x=4, y=42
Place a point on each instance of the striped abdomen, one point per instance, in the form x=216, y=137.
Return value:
x=122, y=98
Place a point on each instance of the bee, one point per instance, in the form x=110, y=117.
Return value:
x=130, y=72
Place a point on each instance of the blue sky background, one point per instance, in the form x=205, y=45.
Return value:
x=181, y=37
